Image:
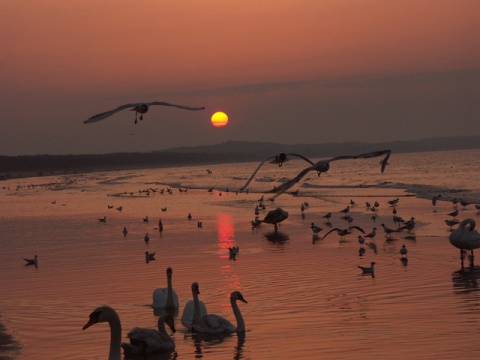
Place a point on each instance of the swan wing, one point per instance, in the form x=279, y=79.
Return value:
x=368, y=155
x=160, y=297
x=175, y=105
x=188, y=311
x=148, y=341
x=106, y=114
x=213, y=324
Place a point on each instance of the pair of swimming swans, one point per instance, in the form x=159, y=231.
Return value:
x=143, y=342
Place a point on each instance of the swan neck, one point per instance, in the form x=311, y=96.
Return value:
x=115, y=338
x=196, y=306
x=169, y=303
x=238, y=316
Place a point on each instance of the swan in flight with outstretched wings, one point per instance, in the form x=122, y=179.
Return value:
x=275, y=159
x=324, y=166
x=139, y=108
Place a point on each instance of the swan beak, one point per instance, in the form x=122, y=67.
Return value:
x=88, y=324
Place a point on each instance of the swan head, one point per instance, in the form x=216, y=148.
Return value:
x=236, y=295
x=100, y=314
x=169, y=271
x=195, y=288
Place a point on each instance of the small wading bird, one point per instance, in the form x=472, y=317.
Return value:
x=324, y=165
x=33, y=261
x=368, y=270
x=139, y=108
x=276, y=159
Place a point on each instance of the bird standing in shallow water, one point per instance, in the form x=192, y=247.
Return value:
x=33, y=261
x=403, y=251
x=368, y=270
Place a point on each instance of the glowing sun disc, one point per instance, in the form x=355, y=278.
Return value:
x=219, y=119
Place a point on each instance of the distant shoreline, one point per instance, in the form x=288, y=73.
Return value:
x=13, y=167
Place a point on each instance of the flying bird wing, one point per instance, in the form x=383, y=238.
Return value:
x=334, y=229
x=255, y=172
x=285, y=186
x=356, y=227
x=175, y=105
x=106, y=114
x=273, y=158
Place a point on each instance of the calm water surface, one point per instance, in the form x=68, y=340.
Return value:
x=306, y=299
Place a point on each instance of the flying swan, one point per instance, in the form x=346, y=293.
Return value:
x=139, y=108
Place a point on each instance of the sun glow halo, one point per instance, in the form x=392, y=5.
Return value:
x=219, y=119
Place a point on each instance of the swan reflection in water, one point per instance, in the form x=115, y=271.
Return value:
x=465, y=281
x=276, y=237
x=201, y=341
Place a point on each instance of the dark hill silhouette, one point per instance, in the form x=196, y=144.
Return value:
x=227, y=152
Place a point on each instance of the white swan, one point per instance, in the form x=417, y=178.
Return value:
x=107, y=314
x=465, y=237
x=216, y=324
x=144, y=342
x=194, y=309
x=165, y=298
x=139, y=108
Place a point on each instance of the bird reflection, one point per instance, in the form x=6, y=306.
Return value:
x=465, y=281
x=276, y=236
x=207, y=340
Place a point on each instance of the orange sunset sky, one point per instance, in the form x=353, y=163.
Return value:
x=284, y=71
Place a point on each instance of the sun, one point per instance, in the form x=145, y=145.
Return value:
x=219, y=119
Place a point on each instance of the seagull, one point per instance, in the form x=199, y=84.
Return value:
x=324, y=166
x=372, y=234
x=393, y=202
x=146, y=238
x=346, y=210
x=104, y=220
x=33, y=261
x=477, y=207
x=275, y=159
x=453, y=214
x=343, y=232
x=145, y=219
x=403, y=251
x=388, y=231
x=327, y=216
x=361, y=240
x=368, y=270
x=452, y=223
x=435, y=198
x=139, y=108
x=315, y=228
x=149, y=256
x=125, y=231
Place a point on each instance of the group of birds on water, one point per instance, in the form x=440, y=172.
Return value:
x=195, y=317
x=144, y=342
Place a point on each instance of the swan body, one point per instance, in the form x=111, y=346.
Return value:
x=194, y=309
x=216, y=324
x=149, y=341
x=139, y=108
x=275, y=216
x=465, y=237
x=107, y=314
x=165, y=298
